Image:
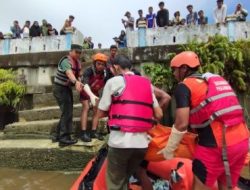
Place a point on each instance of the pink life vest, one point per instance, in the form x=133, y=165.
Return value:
x=132, y=110
x=221, y=104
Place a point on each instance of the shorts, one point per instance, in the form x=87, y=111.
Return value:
x=84, y=96
x=208, y=164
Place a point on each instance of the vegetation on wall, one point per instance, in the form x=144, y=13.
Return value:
x=228, y=59
x=220, y=56
x=11, y=91
x=161, y=74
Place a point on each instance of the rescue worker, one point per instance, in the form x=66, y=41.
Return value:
x=94, y=76
x=129, y=101
x=222, y=136
x=67, y=76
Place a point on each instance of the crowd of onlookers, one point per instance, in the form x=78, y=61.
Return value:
x=45, y=29
x=161, y=19
x=35, y=30
x=152, y=20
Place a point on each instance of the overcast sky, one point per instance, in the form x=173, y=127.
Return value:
x=100, y=19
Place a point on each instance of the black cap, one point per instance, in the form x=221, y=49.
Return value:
x=189, y=6
x=219, y=1
x=76, y=47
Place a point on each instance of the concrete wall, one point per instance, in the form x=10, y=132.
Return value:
x=38, y=69
x=40, y=44
x=184, y=34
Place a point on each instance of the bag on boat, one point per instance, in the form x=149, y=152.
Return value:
x=160, y=135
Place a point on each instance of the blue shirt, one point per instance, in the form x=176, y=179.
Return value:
x=202, y=21
x=150, y=19
x=192, y=18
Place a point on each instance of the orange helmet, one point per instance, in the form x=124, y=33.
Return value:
x=188, y=58
x=100, y=57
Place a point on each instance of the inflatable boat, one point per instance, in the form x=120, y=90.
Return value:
x=174, y=174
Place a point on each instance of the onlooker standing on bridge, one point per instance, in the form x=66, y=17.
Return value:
x=162, y=18
x=121, y=40
x=35, y=30
x=220, y=13
x=16, y=30
x=240, y=13
x=150, y=18
x=1, y=36
x=141, y=22
x=177, y=19
x=51, y=31
x=91, y=44
x=192, y=16
x=128, y=24
x=68, y=25
x=26, y=29
x=44, y=27
x=202, y=20
x=99, y=46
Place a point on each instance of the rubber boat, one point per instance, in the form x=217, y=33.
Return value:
x=177, y=172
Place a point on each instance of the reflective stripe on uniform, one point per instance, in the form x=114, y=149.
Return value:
x=211, y=99
x=217, y=114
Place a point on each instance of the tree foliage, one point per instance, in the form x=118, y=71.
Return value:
x=218, y=55
x=11, y=91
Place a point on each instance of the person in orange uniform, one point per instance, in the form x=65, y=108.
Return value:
x=222, y=138
x=95, y=77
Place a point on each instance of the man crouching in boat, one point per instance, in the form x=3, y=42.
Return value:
x=208, y=104
x=131, y=104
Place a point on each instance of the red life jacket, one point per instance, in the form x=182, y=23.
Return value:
x=220, y=104
x=76, y=66
x=61, y=77
x=132, y=110
x=96, y=81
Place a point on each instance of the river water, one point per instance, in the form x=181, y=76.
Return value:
x=15, y=179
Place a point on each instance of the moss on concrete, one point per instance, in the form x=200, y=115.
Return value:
x=43, y=155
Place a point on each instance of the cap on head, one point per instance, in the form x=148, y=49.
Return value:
x=188, y=58
x=127, y=13
x=189, y=6
x=100, y=57
x=76, y=47
x=219, y=1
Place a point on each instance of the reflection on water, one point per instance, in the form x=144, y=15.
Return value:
x=14, y=179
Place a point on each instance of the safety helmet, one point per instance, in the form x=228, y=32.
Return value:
x=188, y=58
x=100, y=57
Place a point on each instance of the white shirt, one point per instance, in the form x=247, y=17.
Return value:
x=220, y=14
x=26, y=32
x=119, y=139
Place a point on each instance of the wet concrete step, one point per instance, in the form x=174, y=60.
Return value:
x=46, y=113
x=42, y=154
x=43, y=129
x=48, y=99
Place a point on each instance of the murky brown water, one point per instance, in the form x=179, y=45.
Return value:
x=14, y=179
